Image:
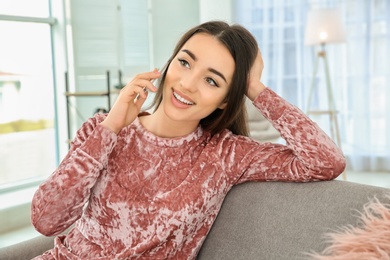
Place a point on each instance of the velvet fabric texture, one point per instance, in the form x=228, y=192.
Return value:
x=139, y=196
x=369, y=241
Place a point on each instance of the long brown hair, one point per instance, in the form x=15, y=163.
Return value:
x=243, y=48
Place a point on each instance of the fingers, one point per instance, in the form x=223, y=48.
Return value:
x=142, y=94
x=130, y=100
x=150, y=76
x=145, y=85
x=138, y=87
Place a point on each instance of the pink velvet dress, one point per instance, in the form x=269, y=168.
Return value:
x=139, y=196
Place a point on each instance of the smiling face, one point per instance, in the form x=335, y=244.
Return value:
x=197, y=80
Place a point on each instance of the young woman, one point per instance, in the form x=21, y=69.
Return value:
x=149, y=186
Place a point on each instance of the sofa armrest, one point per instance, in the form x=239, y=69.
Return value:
x=27, y=249
x=275, y=220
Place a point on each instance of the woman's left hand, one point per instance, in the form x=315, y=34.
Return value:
x=254, y=84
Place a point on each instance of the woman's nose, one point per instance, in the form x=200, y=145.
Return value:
x=189, y=81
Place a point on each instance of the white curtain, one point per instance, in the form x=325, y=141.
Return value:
x=359, y=68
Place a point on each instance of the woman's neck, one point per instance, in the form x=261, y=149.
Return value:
x=161, y=125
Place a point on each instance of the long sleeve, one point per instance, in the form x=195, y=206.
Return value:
x=309, y=154
x=59, y=201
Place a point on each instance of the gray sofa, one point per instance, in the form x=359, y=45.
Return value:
x=271, y=221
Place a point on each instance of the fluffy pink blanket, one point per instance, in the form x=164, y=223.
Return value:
x=369, y=241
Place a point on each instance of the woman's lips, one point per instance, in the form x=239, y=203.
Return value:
x=181, y=100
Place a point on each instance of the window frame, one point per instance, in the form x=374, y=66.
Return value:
x=52, y=22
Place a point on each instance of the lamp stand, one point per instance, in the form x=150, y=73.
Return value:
x=331, y=112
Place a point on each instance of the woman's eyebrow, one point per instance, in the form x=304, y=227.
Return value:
x=192, y=55
x=218, y=73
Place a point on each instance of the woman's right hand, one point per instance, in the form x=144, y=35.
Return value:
x=127, y=106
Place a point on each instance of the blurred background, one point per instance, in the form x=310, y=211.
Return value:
x=63, y=61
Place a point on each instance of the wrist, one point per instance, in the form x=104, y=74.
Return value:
x=109, y=127
x=255, y=89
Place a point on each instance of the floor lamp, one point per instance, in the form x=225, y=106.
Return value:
x=325, y=26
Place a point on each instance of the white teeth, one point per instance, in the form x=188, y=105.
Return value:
x=182, y=100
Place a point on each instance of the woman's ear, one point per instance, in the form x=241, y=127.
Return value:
x=222, y=105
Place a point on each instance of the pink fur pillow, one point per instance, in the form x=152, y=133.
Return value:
x=369, y=241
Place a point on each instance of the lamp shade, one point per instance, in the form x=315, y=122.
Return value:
x=324, y=26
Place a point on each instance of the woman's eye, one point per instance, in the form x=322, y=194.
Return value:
x=184, y=63
x=212, y=82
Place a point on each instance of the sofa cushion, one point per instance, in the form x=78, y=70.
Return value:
x=283, y=220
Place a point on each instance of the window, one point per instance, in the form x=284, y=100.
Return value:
x=358, y=69
x=107, y=38
x=27, y=106
x=114, y=37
